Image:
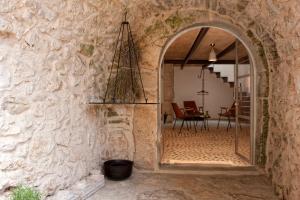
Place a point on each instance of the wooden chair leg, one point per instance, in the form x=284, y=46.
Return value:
x=219, y=121
x=187, y=125
x=195, y=125
x=181, y=126
x=229, y=124
x=206, y=123
x=174, y=123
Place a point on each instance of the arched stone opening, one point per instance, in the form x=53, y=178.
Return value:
x=253, y=64
x=154, y=41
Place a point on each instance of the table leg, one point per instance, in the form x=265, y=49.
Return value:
x=207, y=124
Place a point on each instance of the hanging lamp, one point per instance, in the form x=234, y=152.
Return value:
x=212, y=54
x=125, y=84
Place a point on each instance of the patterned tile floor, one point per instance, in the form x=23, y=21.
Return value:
x=214, y=147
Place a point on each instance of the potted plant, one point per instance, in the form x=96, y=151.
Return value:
x=25, y=193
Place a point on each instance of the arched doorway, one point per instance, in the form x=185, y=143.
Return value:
x=243, y=83
x=157, y=37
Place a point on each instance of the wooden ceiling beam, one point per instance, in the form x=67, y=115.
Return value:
x=195, y=45
x=198, y=62
x=228, y=49
x=244, y=60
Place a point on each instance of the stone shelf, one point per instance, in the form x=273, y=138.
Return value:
x=111, y=103
x=96, y=101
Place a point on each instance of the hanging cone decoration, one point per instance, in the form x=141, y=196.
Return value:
x=201, y=76
x=125, y=83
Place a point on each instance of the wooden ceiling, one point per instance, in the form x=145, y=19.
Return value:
x=189, y=43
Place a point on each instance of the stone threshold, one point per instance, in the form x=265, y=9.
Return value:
x=204, y=166
x=207, y=170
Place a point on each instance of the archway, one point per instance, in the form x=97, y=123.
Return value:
x=157, y=35
x=252, y=78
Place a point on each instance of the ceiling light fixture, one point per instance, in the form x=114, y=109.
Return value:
x=212, y=54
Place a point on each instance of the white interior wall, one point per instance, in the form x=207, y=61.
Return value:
x=187, y=84
x=227, y=70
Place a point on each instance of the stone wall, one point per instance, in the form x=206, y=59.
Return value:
x=270, y=29
x=55, y=54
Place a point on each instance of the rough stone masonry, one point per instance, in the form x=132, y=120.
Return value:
x=55, y=55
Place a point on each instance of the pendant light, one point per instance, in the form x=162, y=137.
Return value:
x=212, y=54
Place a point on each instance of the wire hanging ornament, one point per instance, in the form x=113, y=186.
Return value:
x=202, y=77
x=203, y=92
x=125, y=82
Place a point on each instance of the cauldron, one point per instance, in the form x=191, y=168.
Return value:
x=117, y=169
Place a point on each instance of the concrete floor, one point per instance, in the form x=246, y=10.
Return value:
x=170, y=184
x=149, y=186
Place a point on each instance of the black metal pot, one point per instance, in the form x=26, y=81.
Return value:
x=117, y=169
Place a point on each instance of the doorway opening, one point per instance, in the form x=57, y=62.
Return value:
x=207, y=100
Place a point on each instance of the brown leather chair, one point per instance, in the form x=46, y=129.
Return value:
x=228, y=114
x=181, y=115
x=191, y=108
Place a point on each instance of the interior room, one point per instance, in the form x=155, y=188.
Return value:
x=199, y=79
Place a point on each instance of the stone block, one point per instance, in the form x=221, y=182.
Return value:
x=145, y=134
x=47, y=13
x=5, y=77
x=87, y=49
x=118, y=145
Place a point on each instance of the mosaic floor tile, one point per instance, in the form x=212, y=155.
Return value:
x=215, y=146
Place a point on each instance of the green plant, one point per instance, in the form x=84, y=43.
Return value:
x=25, y=193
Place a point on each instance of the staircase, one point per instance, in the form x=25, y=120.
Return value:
x=244, y=104
x=226, y=72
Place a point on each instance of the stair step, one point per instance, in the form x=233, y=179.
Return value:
x=225, y=79
x=245, y=99
x=211, y=69
x=218, y=74
x=244, y=94
x=244, y=105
